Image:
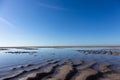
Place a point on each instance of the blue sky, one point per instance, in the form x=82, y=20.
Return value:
x=59, y=22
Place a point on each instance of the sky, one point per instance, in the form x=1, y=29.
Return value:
x=59, y=22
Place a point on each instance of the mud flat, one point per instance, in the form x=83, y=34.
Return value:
x=67, y=70
x=60, y=64
x=21, y=52
x=3, y=49
x=102, y=51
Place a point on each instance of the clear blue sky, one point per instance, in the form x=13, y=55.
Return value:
x=59, y=22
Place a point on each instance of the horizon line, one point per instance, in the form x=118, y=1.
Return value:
x=59, y=46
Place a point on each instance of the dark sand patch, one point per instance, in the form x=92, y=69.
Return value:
x=3, y=49
x=114, y=52
x=21, y=52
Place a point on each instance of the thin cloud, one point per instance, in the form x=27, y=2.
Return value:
x=6, y=22
x=52, y=6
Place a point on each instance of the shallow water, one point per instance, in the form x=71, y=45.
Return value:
x=8, y=60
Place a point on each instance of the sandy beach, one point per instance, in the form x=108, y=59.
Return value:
x=62, y=64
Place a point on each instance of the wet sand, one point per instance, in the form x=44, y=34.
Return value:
x=102, y=51
x=67, y=69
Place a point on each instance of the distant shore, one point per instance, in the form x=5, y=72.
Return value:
x=62, y=47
